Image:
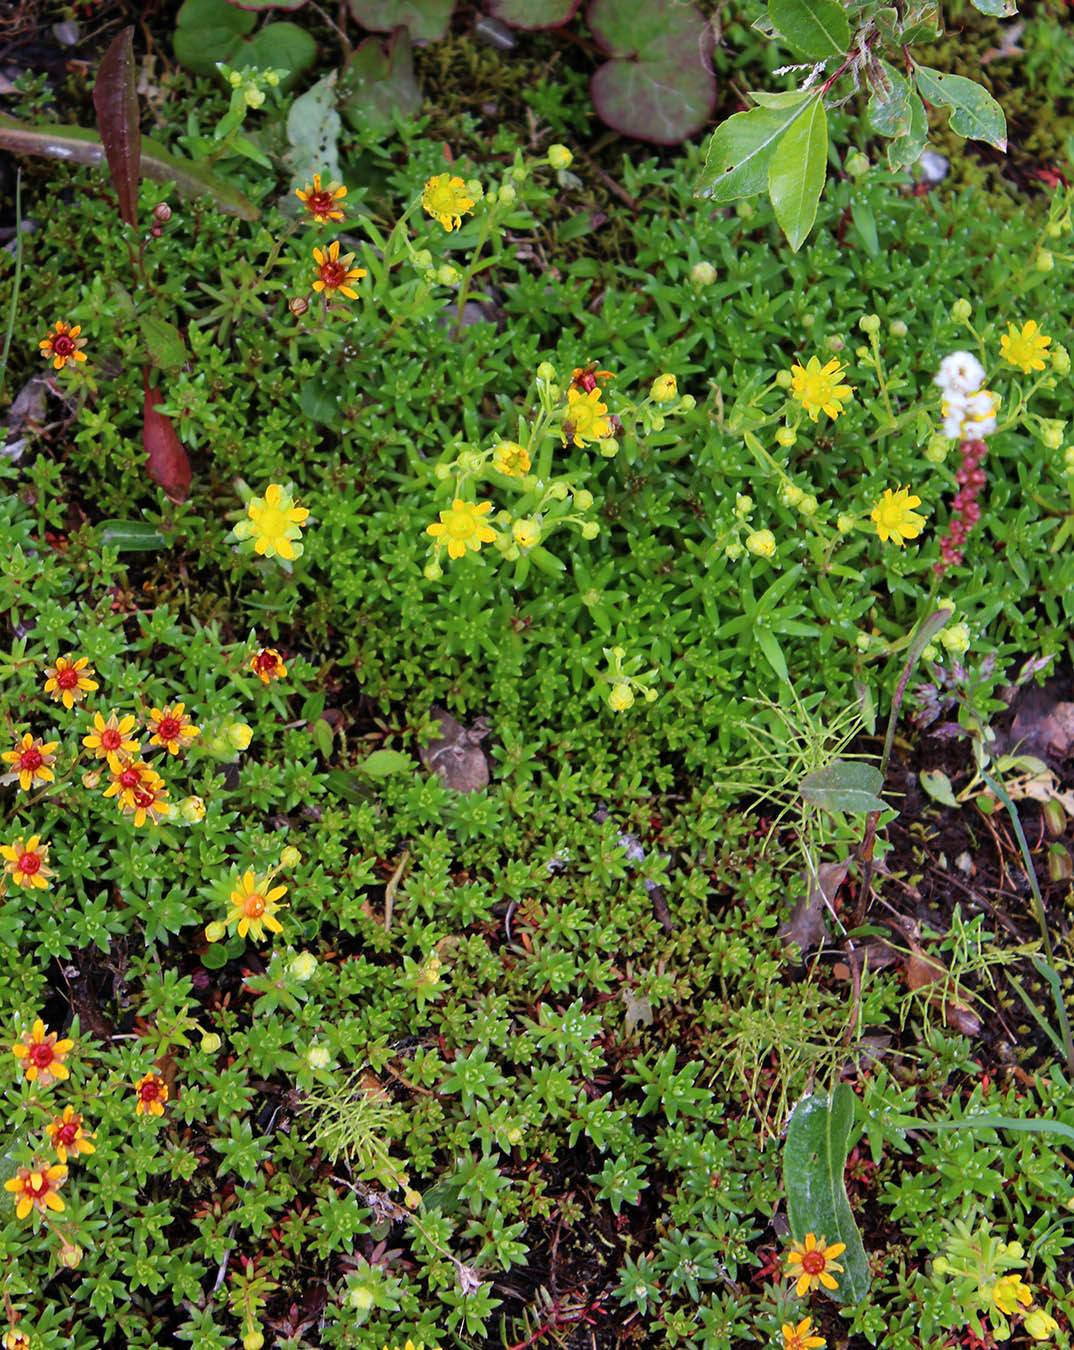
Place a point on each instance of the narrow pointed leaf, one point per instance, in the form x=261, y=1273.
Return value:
x=975, y=114
x=796, y=174
x=116, y=102
x=814, y=1158
x=813, y=29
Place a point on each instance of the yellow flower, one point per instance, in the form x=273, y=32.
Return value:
x=275, y=523
x=69, y=680
x=36, y=1189
x=664, y=389
x=112, y=737
x=802, y=1336
x=26, y=862
x=526, y=533
x=817, y=387
x=63, y=346
x=335, y=273
x=510, y=458
x=1024, y=349
x=463, y=526
x=130, y=778
x=586, y=418
x=151, y=1092
x=171, y=727
x=447, y=199
x=1039, y=1324
x=14, y=1339
x=254, y=906
x=620, y=697
x=32, y=760
x=147, y=801
x=811, y=1264
x=267, y=666
x=42, y=1055
x=66, y=1134
x=1011, y=1292
x=895, y=518
x=321, y=202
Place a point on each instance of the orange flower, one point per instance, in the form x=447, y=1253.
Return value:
x=26, y=862
x=170, y=727
x=66, y=1133
x=69, y=680
x=36, y=1188
x=32, y=760
x=811, y=1264
x=111, y=737
x=63, y=346
x=335, y=273
x=320, y=202
x=267, y=666
x=152, y=1093
x=42, y=1055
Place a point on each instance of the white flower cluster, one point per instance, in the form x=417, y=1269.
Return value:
x=969, y=412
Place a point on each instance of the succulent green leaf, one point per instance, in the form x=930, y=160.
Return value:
x=844, y=785
x=131, y=536
x=975, y=114
x=813, y=29
x=796, y=174
x=814, y=1158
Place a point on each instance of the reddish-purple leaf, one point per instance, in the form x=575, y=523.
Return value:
x=167, y=464
x=532, y=14
x=116, y=100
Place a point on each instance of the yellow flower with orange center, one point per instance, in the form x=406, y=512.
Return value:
x=62, y=346
x=36, y=1188
x=171, y=727
x=67, y=1135
x=26, y=862
x=510, y=458
x=811, y=1263
x=463, y=526
x=335, y=273
x=586, y=417
x=267, y=665
x=112, y=737
x=322, y=202
x=447, y=199
x=69, y=680
x=32, y=760
x=14, y=1339
x=41, y=1055
x=254, y=906
x=151, y=1092
x=1025, y=349
x=148, y=801
x=801, y=1336
x=819, y=389
x=128, y=777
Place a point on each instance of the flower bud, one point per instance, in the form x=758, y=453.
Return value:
x=761, y=543
x=239, y=735
x=856, y=164
x=1039, y=1324
x=703, y=274
x=687, y=403
x=937, y=448
x=897, y=328
x=743, y=505
x=526, y=533
x=834, y=342
x=162, y=213
x=475, y=190
x=663, y=389
x=508, y=193
x=447, y=275
x=1051, y=433
x=1060, y=359
x=583, y=500
x=791, y=494
x=930, y=652
x=298, y=305
x=433, y=571
x=844, y=524
x=211, y=1043
x=869, y=323
x=422, y=259
x=785, y=437
x=290, y=856
x=303, y=967
x=1045, y=262
x=808, y=505
x=784, y=379
x=1068, y=459
x=318, y=1057
x=733, y=550
x=956, y=638
x=808, y=320
x=558, y=492
x=215, y=931
x=1054, y=229
x=253, y=1340
x=192, y=810
x=546, y=372
x=559, y=157
x=608, y=447
x=514, y=1136
x=961, y=311
x=656, y=423
x=91, y=779
x=70, y=1254
x=590, y=529
x=620, y=697
x=361, y=1298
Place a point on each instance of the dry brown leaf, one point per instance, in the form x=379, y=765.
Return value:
x=806, y=924
x=456, y=755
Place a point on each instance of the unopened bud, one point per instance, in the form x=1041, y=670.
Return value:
x=162, y=213
x=211, y=1043
x=298, y=305
x=290, y=856
x=215, y=931
x=70, y=1254
x=1045, y=261
x=703, y=274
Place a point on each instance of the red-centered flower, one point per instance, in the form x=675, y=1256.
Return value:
x=67, y=1135
x=335, y=273
x=151, y=1092
x=112, y=737
x=129, y=777
x=26, y=862
x=14, y=1339
x=811, y=1263
x=322, y=202
x=586, y=379
x=36, y=1188
x=62, y=346
x=267, y=665
x=170, y=727
x=32, y=760
x=42, y=1055
x=148, y=801
x=69, y=680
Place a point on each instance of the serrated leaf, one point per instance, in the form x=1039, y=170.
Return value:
x=814, y=1159
x=813, y=29
x=844, y=785
x=740, y=152
x=975, y=114
x=796, y=174
x=163, y=341
x=938, y=786
x=383, y=763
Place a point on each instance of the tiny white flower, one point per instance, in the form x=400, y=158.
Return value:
x=960, y=373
